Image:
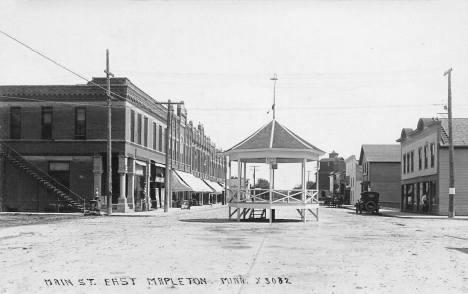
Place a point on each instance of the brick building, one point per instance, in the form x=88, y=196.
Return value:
x=425, y=166
x=54, y=144
x=329, y=168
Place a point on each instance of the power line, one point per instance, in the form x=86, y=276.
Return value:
x=50, y=59
x=229, y=109
x=65, y=68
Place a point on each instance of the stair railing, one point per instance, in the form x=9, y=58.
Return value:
x=45, y=176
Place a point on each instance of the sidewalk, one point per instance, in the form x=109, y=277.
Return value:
x=160, y=211
x=396, y=213
x=152, y=213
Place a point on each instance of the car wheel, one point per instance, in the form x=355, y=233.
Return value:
x=371, y=206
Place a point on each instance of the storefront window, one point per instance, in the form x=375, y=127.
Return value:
x=433, y=196
x=419, y=194
x=140, y=186
x=409, y=201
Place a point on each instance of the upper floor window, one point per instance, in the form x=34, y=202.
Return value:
x=46, y=123
x=155, y=127
x=420, y=158
x=80, y=123
x=165, y=140
x=407, y=162
x=145, y=132
x=425, y=156
x=15, y=123
x=132, y=126
x=432, y=154
x=160, y=148
x=412, y=161
x=404, y=163
x=139, y=127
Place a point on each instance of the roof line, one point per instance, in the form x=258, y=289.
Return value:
x=248, y=137
x=299, y=139
x=272, y=133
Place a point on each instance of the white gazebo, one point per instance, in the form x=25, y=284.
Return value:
x=273, y=144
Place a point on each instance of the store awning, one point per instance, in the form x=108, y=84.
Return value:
x=178, y=185
x=215, y=186
x=195, y=184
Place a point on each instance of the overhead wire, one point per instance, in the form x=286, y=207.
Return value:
x=230, y=109
x=113, y=94
x=65, y=68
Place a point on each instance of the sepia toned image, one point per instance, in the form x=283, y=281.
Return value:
x=233, y=146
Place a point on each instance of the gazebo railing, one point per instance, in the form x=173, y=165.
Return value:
x=278, y=196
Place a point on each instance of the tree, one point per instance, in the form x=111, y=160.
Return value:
x=310, y=185
x=262, y=184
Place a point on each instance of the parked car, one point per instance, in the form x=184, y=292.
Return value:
x=185, y=204
x=369, y=202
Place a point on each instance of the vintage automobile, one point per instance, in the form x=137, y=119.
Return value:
x=369, y=202
x=185, y=204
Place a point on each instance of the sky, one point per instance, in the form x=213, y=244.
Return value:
x=349, y=72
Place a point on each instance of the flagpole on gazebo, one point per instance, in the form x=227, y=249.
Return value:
x=274, y=93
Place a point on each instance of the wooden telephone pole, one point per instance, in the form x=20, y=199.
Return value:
x=168, y=147
x=452, y=173
x=254, y=169
x=109, y=137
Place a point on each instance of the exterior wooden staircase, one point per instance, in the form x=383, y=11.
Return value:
x=42, y=177
x=258, y=214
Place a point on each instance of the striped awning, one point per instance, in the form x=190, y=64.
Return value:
x=193, y=183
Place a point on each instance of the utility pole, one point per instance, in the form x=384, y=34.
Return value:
x=168, y=147
x=167, y=180
x=109, y=137
x=452, y=173
x=254, y=169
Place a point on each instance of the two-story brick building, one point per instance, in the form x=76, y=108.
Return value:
x=381, y=172
x=425, y=166
x=54, y=144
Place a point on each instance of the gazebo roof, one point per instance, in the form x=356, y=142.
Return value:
x=274, y=140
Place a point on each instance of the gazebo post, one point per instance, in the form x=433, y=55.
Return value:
x=317, y=185
x=271, y=192
x=239, y=174
x=226, y=196
x=304, y=188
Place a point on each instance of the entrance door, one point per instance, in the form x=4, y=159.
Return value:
x=60, y=171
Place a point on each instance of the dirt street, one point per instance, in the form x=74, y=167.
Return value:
x=201, y=251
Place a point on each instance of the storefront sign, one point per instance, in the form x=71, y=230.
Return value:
x=159, y=180
x=139, y=170
x=271, y=160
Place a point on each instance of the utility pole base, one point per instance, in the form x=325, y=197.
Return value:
x=122, y=206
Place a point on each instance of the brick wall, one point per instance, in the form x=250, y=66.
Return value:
x=63, y=121
x=25, y=193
